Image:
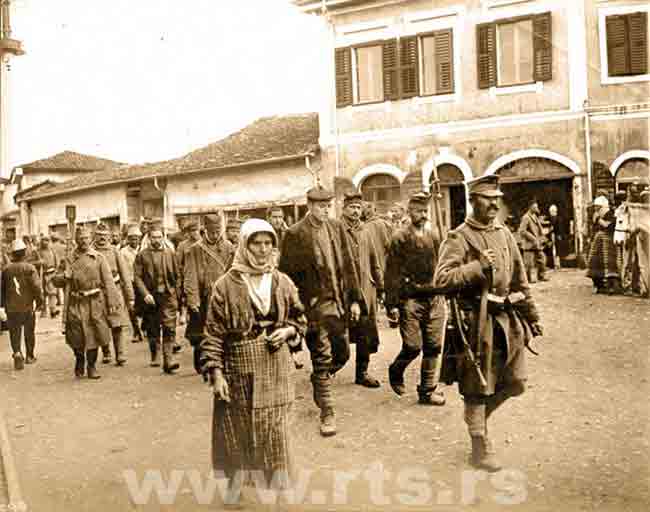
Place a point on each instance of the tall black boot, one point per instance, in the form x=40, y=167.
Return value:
x=361, y=373
x=106, y=354
x=80, y=363
x=154, y=348
x=91, y=358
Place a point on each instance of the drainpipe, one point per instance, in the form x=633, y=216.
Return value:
x=579, y=229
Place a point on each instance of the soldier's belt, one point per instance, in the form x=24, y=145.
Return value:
x=496, y=303
x=85, y=293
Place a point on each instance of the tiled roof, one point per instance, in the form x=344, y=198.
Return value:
x=265, y=139
x=69, y=160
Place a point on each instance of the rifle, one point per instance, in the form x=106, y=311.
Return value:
x=453, y=303
x=70, y=215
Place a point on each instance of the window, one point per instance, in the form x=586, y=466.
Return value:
x=515, y=51
x=370, y=83
x=395, y=69
x=382, y=190
x=627, y=44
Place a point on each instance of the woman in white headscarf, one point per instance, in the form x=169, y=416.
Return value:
x=254, y=320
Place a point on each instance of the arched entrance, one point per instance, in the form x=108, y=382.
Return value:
x=549, y=182
x=382, y=190
x=454, y=200
x=634, y=173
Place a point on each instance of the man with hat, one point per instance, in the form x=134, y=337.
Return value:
x=148, y=224
x=368, y=267
x=531, y=233
x=49, y=264
x=191, y=235
x=93, y=297
x=481, y=265
x=412, y=303
x=128, y=253
x=21, y=289
x=121, y=275
x=206, y=261
x=156, y=279
x=232, y=230
x=317, y=256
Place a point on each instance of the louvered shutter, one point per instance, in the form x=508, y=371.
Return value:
x=391, y=70
x=444, y=62
x=637, y=24
x=486, y=45
x=343, y=65
x=408, y=56
x=543, y=47
x=617, y=45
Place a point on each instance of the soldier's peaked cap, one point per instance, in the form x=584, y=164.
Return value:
x=352, y=197
x=190, y=225
x=485, y=186
x=233, y=223
x=102, y=229
x=319, y=193
x=420, y=198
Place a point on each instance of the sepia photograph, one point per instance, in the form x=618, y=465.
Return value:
x=324, y=255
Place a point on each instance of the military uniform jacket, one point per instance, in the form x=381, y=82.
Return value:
x=382, y=233
x=204, y=264
x=411, y=261
x=122, y=279
x=20, y=288
x=145, y=272
x=531, y=232
x=459, y=271
x=298, y=260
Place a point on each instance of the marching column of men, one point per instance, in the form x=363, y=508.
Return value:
x=341, y=269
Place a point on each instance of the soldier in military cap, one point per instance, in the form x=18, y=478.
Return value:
x=119, y=319
x=317, y=256
x=50, y=262
x=369, y=270
x=531, y=233
x=93, y=295
x=191, y=235
x=412, y=302
x=206, y=261
x=128, y=253
x=481, y=264
x=232, y=230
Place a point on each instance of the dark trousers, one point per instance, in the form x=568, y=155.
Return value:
x=328, y=344
x=16, y=323
x=422, y=325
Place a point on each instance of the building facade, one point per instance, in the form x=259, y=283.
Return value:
x=464, y=88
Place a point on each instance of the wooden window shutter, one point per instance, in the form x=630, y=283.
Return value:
x=390, y=64
x=617, y=45
x=486, y=54
x=343, y=65
x=408, y=57
x=638, y=43
x=543, y=47
x=444, y=61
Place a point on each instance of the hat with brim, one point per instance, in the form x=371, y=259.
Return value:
x=319, y=193
x=486, y=186
x=233, y=224
x=102, y=229
x=420, y=198
x=212, y=219
x=352, y=198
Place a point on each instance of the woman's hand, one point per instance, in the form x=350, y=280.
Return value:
x=280, y=336
x=219, y=385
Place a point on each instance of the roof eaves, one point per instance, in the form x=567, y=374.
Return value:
x=177, y=172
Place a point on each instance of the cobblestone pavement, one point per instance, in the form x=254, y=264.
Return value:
x=576, y=440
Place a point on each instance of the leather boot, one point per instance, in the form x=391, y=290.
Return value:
x=324, y=400
x=19, y=361
x=154, y=348
x=428, y=395
x=169, y=366
x=106, y=354
x=361, y=374
x=483, y=456
x=118, y=345
x=79, y=364
x=396, y=375
x=91, y=358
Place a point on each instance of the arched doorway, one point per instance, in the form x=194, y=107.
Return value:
x=382, y=190
x=633, y=173
x=454, y=200
x=549, y=182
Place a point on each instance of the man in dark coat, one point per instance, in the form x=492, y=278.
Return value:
x=156, y=278
x=481, y=264
x=121, y=274
x=368, y=267
x=191, y=235
x=422, y=315
x=93, y=296
x=205, y=262
x=381, y=230
x=21, y=290
x=316, y=255
x=531, y=233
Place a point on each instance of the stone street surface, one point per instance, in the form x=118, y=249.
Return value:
x=576, y=440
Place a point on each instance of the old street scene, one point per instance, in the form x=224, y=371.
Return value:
x=324, y=255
